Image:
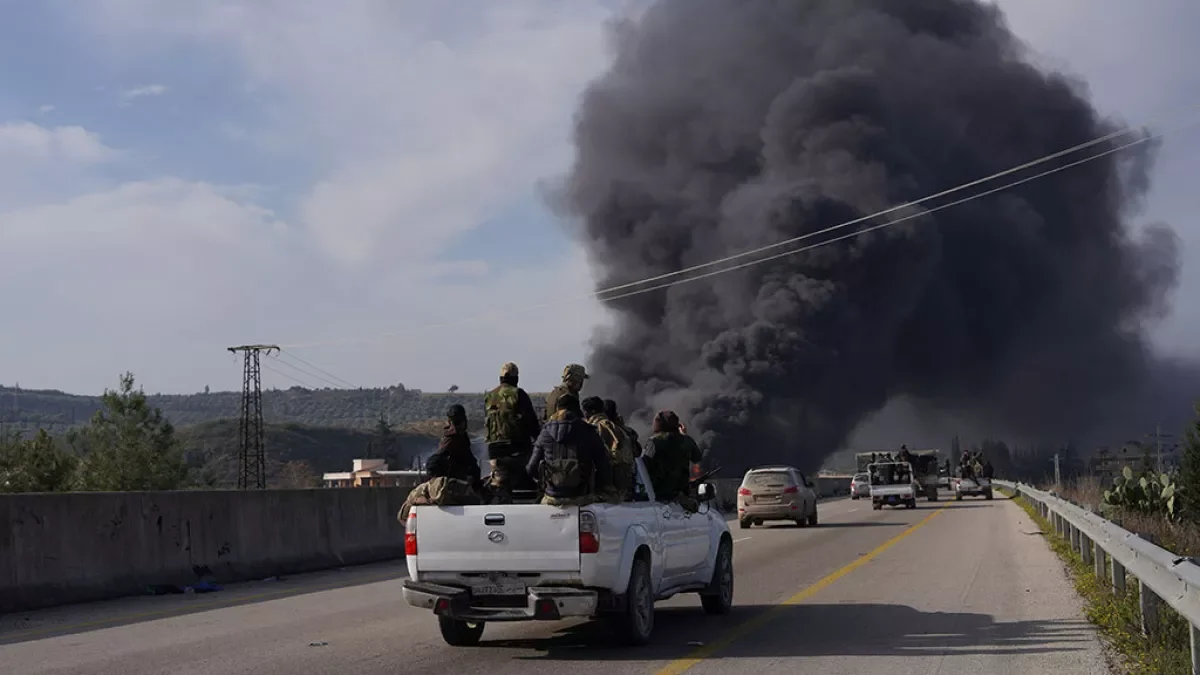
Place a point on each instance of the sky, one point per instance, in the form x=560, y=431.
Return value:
x=361, y=182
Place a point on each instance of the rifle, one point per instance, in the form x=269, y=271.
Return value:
x=695, y=482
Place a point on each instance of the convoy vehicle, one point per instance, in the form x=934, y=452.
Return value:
x=924, y=464
x=473, y=565
x=972, y=487
x=925, y=472
x=892, y=484
x=860, y=486
x=776, y=493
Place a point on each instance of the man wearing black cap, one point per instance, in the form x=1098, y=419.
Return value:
x=569, y=459
x=669, y=454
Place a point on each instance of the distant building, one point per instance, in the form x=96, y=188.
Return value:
x=1108, y=463
x=371, y=473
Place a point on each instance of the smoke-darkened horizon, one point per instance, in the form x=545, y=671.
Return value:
x=725, y=125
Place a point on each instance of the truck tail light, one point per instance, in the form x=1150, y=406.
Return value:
x=410, y=534
x=588, y=543
x=792, y=490
x=745, y=492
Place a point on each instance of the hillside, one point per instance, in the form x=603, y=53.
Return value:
x=350, y=408
x=213, y=446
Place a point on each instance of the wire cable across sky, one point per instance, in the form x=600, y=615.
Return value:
x=612, y=293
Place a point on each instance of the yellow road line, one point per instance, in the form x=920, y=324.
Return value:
x=679, y=666
x=183, y=610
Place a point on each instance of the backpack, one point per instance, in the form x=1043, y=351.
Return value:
x=503, y=420
x=445, y=491
x=623, y=453
x=562, y=472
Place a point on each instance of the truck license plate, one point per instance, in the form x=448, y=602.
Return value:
x=500, y=584
x=500, y=589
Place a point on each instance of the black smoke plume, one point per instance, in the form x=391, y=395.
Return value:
x=724, y=125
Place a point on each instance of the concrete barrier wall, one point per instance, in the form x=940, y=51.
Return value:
x=62, y=548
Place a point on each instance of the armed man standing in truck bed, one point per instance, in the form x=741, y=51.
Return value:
x=572, y=383
x=512, y=427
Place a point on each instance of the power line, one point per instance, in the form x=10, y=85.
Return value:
x=326, y=372
x=302, y=371
x=865, y=230
x=602, y=293
x=280, y=373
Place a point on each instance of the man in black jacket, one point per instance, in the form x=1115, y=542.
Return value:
x=569, y=459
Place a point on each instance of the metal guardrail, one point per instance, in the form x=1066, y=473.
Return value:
x=1114, y=552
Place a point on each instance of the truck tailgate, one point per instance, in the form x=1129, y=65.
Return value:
x=508, y=538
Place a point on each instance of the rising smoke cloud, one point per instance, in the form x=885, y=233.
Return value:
x=724, y=125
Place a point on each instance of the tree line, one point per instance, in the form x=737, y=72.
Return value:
x=349, y=408
x=126, y=445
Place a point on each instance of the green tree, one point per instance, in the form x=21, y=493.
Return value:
x=129, y=445
x=35, y=465
x=1189, y=474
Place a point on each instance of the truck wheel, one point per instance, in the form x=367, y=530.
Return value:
x=744, y=523
x=718, y=597
x=912, y=504
x=638, y=621
x=460, y=633
x=987, y=495
x=877, y=507
x=812, y=518
x=958, y=496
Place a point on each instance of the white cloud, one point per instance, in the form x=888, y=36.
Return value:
x=429, y=119
x=47, y=108
x=129, y=95
x=28, y=142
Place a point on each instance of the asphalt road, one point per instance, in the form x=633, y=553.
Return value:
x=949, y=587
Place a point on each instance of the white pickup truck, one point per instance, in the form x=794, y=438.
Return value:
x=527, y=562
x=972, y=487
x=892, y=484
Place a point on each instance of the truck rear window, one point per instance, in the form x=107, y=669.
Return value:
x=769, y=478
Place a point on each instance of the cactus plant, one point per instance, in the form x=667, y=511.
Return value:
x=1148, y=493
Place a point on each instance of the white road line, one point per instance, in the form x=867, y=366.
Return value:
x=851, y=510
x=742, y=539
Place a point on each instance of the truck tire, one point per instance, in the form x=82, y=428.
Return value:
x=958, y=496
x=744, y=523
x=877, y=507
x=912, y=503
x=812, y=518
x=636, y=623
x=987, y=495
x=718, y=597
x=458, y=633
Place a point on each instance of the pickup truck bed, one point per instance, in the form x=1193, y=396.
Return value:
x=893, y=495
x=472, y=565
x=967, y=487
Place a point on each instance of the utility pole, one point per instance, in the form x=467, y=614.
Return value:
x=252, y=455
x=1057, y=472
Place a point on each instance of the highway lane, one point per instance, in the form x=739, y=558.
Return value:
x=948, y=587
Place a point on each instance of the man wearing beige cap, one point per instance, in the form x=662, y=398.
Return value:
x=512, y=427
x=572, y=383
